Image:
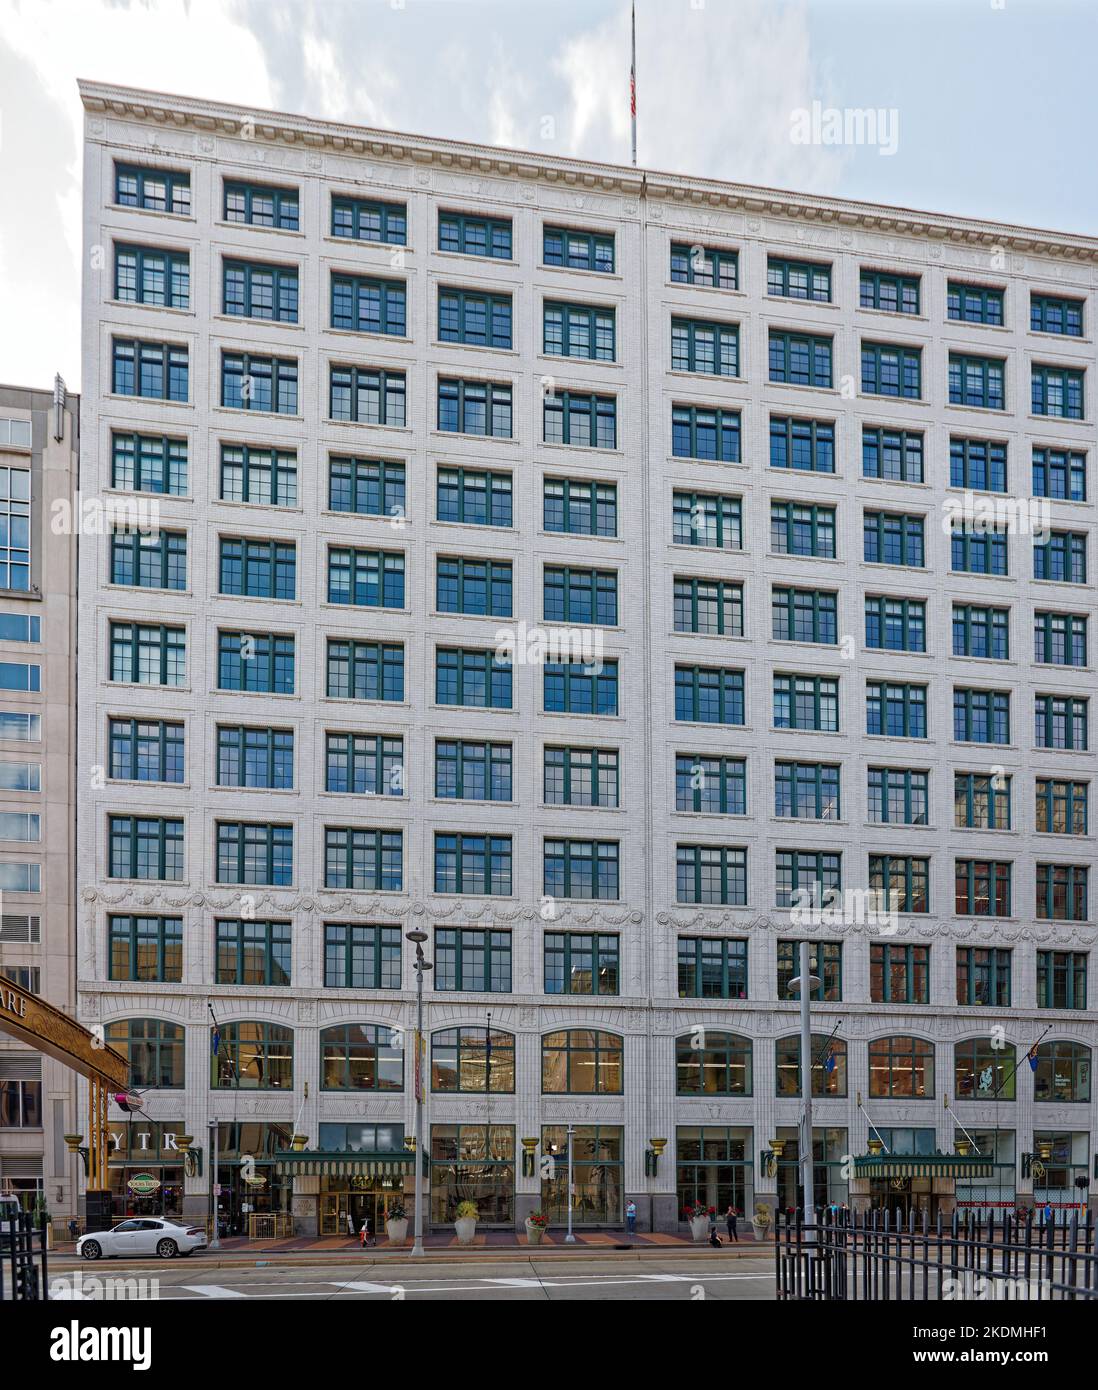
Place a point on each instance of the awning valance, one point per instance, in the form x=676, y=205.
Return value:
x=929, y=1166
x=315, y=1163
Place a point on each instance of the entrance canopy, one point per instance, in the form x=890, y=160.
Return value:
x=315, y=1163
x=31, y=1020
x=928, y=1166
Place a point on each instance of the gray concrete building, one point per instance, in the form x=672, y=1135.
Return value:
x=579, y=563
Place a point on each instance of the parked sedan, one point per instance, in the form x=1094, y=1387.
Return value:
x=143, y=1236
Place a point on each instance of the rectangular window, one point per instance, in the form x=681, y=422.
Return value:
x=258, y=205
x=366, y=487
x=981, y=801
x=145, y=847
x=574, y=687
x=365, y=670
x=255, y=757
x=981, y=632
x=712, y=968
x=581, y=776
x=698, y=433
x=145, y=948
x=366, y=578
x=475, y=679
x=578, y=250
x=20, y=777
x=896, y=711
x=257, y=662
x=893, y=455
x=266, y=384
x=474, y=497
x=590, y=422
x=891, y=370
x=252, y=952
x=479, y=864
x=257, y=569
x=711, y=874
x=145, y=654
x=1054, y=314
x=899, y=974
x=897, y=796
x=1061, y=979
x=361, y=956
x=806, y=702
x=895, y=624
x=802, y=530
x=890, y=293
x=708, y=607
x=473, y=586
x=155, y=371
x=366, y=304
x=139, y=463
x=893, y=538
x=578, y=330
x=18, y=877
x=1058, y=391
x=806, y=445
x=261, y=854
x=825, y=960
x=977, y=381
x=261, y=476
x=472, y=771
x=715, y=267
x=473, y=960
x=804, y=615
x=981, y=716
x=1060, y=639
x=25, y=826
x=475, y=318
x=370, y=860
x=1062, y=806
x=709, y=695
x=254, y=291
x=145, y=275
x=710, y=786
x=1062, y=892
x=982, y=888
x=974, y=550
x=580, y=507
x=798, y=279
x=983, y=976
x=1061, y=722
x=145, y=750
x=20, y=675
x=800, y=359
x=1060, y=474
x=149, y=560
x=366, y=219
x=474, y=407
x=1062, y=557
x=364, y=764
x=806, y=875
x=474, y=236
x=580, y=963
x=153, y=190
x=707, y=519
x=16, y=727
x=978, y=463
x=901, y=882
x=580, y=869
x=367, y=395
x=974, y=303
x=711, y=348
x=579, y=596
x=806, y=791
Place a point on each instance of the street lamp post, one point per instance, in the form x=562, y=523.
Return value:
x=570, y=1238
x=805, y=983
x=215, y=1238
x=418, y=938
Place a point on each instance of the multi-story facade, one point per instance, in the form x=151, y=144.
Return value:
x=39, y=445
x=412, y=411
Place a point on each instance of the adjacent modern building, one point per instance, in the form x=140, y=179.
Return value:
x=39, y=444
x=618, y=576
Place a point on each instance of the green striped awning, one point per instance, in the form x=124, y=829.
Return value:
x=314, y=1163
x=930, y=1166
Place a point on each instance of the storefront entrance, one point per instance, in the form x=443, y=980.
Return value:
x=345, y=1203
x=899, y=1197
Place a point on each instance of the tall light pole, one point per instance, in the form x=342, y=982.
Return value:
x=215, y=1238
x=418, y=938
x=805, y=983
x=570, y=1238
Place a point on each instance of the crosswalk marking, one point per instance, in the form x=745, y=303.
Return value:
x=215, y=1291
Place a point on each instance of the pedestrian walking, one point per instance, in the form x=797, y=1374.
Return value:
x=631, y=1217
x=730, y=1217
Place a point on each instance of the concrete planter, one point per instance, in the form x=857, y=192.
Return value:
x=534, y=1233
x=466, y=1229
x=397, y=1230
x=699, y=1228
x=761, y=1228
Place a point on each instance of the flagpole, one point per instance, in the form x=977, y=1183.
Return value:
x=633, y=84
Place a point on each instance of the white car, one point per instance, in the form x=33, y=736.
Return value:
x=143, y=1236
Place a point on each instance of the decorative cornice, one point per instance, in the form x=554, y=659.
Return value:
x=277, y=127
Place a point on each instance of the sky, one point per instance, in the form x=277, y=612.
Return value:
x=991, y=104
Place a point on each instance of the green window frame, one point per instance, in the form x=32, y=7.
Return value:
x=252, y=951
x=825, y=961
x=361, y=1057
x=473, y=497
x=711, y=874
x=364, y=859
x=472, y=770
x=152, y=276
x=978, y=382
x=1062, y=892
x=1062, y=1075
x=1060, y=474
x=1061, y=979
x=147, y=948
x=1050, y=313
x=149, y=559
x=581, y=963
x=261, y=205
x=797, y=871
x=792, y=279
x=253, y=852
x=571, y=866
x=893, y=455
x=150, y=371
x=368, y=219
x=154, y=1050
x=473, y=959
x=257, y=474
x=462, y=234
x=577, y=687
x=473, y=864
x=902, y=882
x=573, y=776
x=978, y=464
x=1062, y=721
x=895, y=624
x=804, y=615
x=802, y=445
x=978, y=551
x=255, y=291
x=277, y=393
x=472, y=1061
x=475, y=318
x=984, y=1069
x=712, y=967
x=696, y=687
x=369, y=304
x=982, y=800
x=894, y=538
x=806, y=791
x=713, y=266
x=706, y=347
x=718, y=1063
x=580, y=507
x=1062, y=806
x=710, y=785
x=829, y=1071
x=363, y=764
x=362, y=955
x=148, y=654
x=885, y=699
x=806, y=702
x=575, y=249
x=899, y=974
x=149, y=463
x=974, y=303
x=800, y=359
x=144, y=750
x=475, y=407
x=145, y=847
x=473, y=677
x=255, y=757
x=572, y=595
x=582, y=1061
x=982, y=887
x=981, y=632
x=269, y=669
x=587, y=421
x=709, y=434
x=897, y=795
x=712, y=607
x=981, y=716
x=152, y=190
x=257, y=568
x=1060, y=639
x=579, y=330
x=984, y=975
x=888, y=292
x=799, y=529
x=891, y=369
x=1062, y=558
x=901, y=1068
x=367, y=396
x=366, y=578
x=710, y=519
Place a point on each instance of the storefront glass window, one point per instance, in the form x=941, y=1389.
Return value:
x=598, y=1173
x=473, y=1163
